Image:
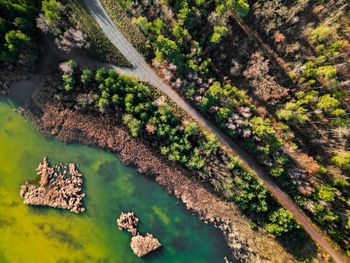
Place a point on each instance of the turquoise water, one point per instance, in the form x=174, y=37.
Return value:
x=41, y=234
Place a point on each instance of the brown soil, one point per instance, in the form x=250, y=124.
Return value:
x=72, y=126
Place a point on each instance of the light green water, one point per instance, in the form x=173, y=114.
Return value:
x=40, y=234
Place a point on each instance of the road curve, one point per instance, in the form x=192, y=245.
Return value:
x=142, y=71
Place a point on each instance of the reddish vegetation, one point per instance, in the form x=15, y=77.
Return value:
x=307, y=163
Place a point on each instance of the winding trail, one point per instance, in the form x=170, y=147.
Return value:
x=142, y=71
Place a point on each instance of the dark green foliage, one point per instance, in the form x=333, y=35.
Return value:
x=68, y=82
x=219, y=33
x=87, y=76
x=240, y=7
x=168, y=49
x=183, y=142
x=133, y=124
x=69, y=69
x=248, y=191
x=282, y=221
x=17, y=27
x=53, y=12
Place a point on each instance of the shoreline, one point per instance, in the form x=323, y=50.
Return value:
x=71, y=126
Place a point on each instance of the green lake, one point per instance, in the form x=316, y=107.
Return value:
x=41, y=234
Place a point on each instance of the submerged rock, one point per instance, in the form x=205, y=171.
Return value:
x=129, y=222
x=142, y=245
x=60, y=187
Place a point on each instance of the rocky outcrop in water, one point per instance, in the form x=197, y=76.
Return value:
x=128, y=221
x=141, y=245
x=60, y=186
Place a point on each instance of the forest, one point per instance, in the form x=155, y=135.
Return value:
x=274, y=76
x=18, y=42
x=149, y=114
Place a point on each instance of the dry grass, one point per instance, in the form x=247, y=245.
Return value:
x=100, y=44
x=125, y=25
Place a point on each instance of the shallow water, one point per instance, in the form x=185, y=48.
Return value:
x=40, y=234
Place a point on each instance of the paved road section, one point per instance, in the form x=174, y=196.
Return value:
x=142, y=71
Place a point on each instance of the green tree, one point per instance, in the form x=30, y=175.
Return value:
x=326, y=193
x=68, y=83
x=142, y=23
x=191, y=129
x=87, y=76
x=249, y=192
x=342, y=159
x=327, y=103
x=185, y=16
x=240, y=7
x=181, y=34
x=282, y=221
x=214, y=93
x=293, y=113
x=17, y=47
x=320, y=34
x=168, y=49
x=133, y=124
x=210, y=144
x=53, y=11
x=101, y=74
x=103, y=104
x=219, y=33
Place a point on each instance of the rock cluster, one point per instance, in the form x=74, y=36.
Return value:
x=129, y=222
x=60, y=187
x=141, y=245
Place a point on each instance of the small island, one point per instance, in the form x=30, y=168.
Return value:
x=141, y=245
x=60, y=186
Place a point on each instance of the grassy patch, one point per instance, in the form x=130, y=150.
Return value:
x=125, y=25
x=100, y=44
